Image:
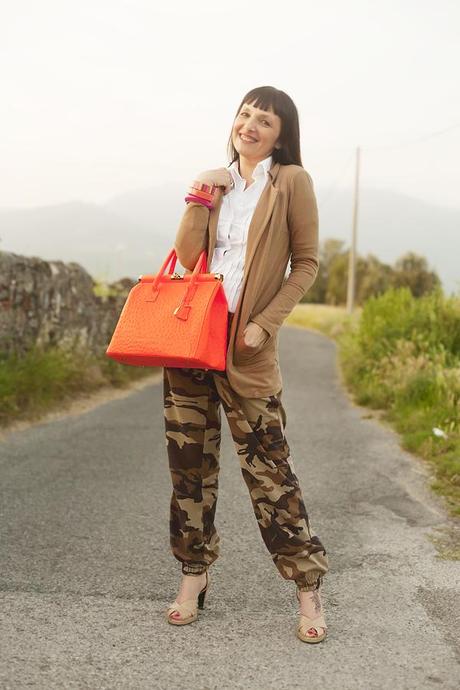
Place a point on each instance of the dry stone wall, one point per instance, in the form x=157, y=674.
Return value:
x=50, y=303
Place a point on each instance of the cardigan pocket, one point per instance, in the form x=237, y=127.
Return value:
x=246, y=354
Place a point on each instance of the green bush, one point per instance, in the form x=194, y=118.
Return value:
x=432, y=322
x=403, y=356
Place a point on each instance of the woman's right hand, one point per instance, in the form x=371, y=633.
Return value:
x=221, y=177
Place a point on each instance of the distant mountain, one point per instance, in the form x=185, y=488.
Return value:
x=129, y=235
x=132, y=233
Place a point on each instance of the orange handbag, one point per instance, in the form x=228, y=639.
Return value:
x=174, y=321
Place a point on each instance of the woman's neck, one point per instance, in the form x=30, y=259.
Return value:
x=247, y=166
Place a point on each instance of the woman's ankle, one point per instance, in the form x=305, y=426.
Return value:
x=311, y=603
x=190, y=586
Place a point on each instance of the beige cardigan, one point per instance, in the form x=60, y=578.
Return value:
x=285, y=220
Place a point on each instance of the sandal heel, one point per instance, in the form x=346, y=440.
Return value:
x=201, y=597
x=202, y=594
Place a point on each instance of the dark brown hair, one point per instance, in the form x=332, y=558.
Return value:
x=265, y=97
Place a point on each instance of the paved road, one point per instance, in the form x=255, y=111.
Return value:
x=86, y=570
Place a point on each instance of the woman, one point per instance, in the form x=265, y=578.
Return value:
x=266, y=216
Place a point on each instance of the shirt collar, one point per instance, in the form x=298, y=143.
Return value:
x=261, y=169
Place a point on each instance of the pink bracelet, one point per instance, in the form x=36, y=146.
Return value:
x=199, y=200
x=201, y=194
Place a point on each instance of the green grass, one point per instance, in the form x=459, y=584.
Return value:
x=401, y=355
x=37, y=382
x=325, y=318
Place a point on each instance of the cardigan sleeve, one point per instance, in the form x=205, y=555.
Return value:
x=302, y=217
x=191, y=236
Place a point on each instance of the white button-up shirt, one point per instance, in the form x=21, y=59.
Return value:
x=235, y=215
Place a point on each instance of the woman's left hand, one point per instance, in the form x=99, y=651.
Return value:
x=255, y=335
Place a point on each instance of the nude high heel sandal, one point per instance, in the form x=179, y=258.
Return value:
x=305, y=623
x=188, y=610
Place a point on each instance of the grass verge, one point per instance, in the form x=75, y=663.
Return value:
x=37, y=382
x=401, y=355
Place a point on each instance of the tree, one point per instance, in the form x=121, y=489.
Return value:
x=373, y=277
x=329, y=250
x=336, y=292
x=411, y=270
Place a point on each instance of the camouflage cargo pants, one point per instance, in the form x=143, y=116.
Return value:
x=192, y=413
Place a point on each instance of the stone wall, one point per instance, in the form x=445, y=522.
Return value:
x=53, y=303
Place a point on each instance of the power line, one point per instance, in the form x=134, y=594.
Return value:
x=332, y=188
x=425, y=137
x=382, y=147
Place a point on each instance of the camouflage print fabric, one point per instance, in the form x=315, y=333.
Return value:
x=192, y=411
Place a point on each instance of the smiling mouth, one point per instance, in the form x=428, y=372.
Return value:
x=248, y=140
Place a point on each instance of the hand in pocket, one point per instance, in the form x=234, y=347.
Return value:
x=254, y=335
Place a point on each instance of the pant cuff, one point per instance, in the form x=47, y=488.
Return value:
x=309, y=586
x=193, y=568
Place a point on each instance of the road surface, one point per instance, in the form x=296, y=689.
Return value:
x=87, y=572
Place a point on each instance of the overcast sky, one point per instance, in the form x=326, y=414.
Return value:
x=100, y=97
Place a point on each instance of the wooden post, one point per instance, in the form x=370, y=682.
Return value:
x=352, y=256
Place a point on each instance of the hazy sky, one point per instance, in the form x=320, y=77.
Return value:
x=100, y=97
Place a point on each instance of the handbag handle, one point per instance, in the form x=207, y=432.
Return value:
x=182, y=311
x=172, y=255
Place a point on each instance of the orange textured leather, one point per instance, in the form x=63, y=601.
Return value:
x=171, y=321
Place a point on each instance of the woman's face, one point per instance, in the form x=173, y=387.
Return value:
x=255, y=132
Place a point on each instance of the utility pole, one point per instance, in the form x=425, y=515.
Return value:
x=352, y=256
